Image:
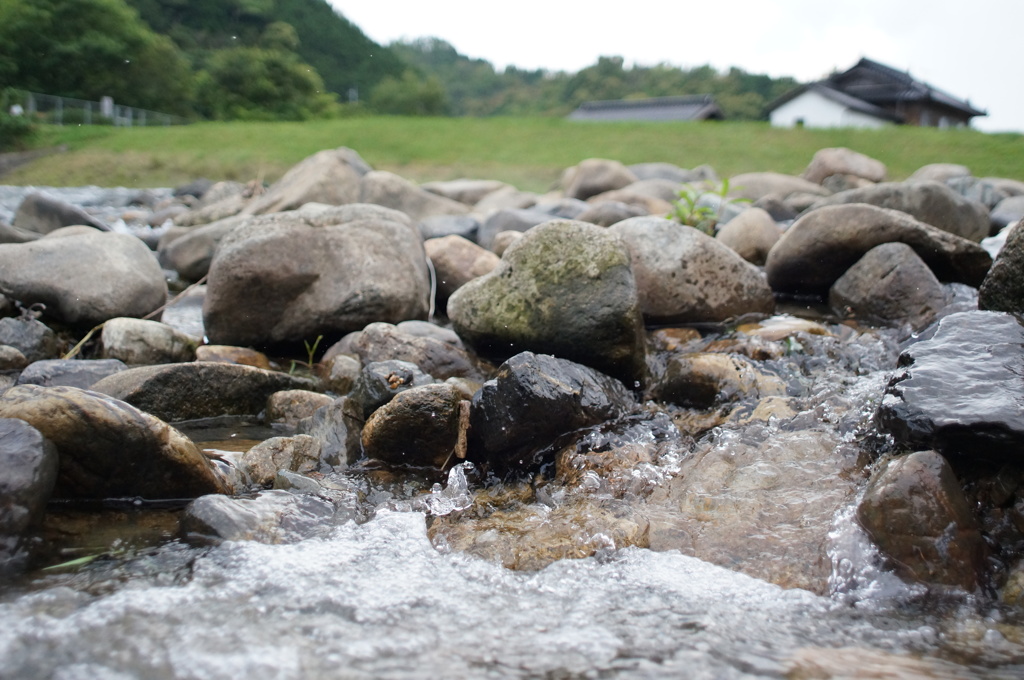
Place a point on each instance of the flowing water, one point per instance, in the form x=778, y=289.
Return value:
x=381, y=591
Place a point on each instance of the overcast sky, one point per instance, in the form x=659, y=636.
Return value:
x=969, y=49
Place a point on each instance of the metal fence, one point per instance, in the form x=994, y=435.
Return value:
x=56, y=110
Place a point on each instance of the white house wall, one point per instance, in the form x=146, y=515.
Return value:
x=818, y=111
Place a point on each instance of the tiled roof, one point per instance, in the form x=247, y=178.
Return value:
x=694, y=107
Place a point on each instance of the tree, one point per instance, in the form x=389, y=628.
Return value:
x=252, y=83
x=410, y=95
x=89, y=49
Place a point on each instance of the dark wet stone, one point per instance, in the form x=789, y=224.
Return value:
x=380, y=381
x=960, y=392
x=1003, y=288
x=533, y=400
x=337, y=427
x=29, y=465
x=915, y=511
x=200, y=389
x=111, y=449
x=31, y=337
x=422, y=426
x=83, y=373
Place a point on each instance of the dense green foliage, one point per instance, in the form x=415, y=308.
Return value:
x=475, y=88
x=88, y=49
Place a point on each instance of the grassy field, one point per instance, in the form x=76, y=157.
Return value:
x=527, y=152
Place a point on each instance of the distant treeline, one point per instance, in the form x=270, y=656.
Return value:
x=299, y=59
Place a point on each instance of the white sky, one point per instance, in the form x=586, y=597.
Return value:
x=969, y=49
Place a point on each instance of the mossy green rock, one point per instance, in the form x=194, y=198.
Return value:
x=566, y=288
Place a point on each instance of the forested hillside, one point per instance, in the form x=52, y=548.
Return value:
x=299, y=59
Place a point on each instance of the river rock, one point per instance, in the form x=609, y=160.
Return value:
x=456, y=262
x=439, y=226
x=891, y=284
x=84, y=279
x=199, y=389
x=751, y=234
x=509, y=219
x=504, y=199
x=391, y=191
x=915, y=512
x=380, y=381
x=503, y=239
x=756, y=185
x=191, y=252
x=516, y=416
x=34, y=339
x=261, y=463
x=11, y=359
x=1006, y=212
x=270, y=517
x=110, y=449
x=43, y=214
x=705, y=380
x=29, y=463
x=227, y=354
x=762, y=504
x=939, y=172
x=978, y=190
x=930, y=202
x=843, y=161
x=608, y=212
x=288, y=407
x=959, y=392
x=1003, y=288
x=468, y=191
x=683, y=275
x=594, y=176
x=339, y=373
x=423, y=426
x=9, y=234
x=337, y=427
x=565, y=288
x=824, y=243
x=440, y=357
x=82, y=373
x=141, y=342
x=331, y=176
x=317, y=272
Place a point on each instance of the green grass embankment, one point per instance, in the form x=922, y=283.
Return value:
x=527, y=152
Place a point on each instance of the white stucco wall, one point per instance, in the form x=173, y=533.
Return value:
x=816, y=110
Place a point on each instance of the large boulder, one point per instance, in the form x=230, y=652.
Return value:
x=190, y=253
x=29, y=463
x=915, y=511
x=930, y=202
x=891, y=284
x=843, y=161
x=43, y=214
x=84, y=279
x=517, y=416
x=756, y=185
x=960, y=392
x=824, y=243
x=564, y=288
x=331, y=176
x=595, y=176
x=294, y=276
x=110, y=449
x=752, y=234
x=391, y=191
x=683, y=275
x=198, y=389
x=1003, y=288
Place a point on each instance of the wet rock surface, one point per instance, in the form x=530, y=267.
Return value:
x=83, y=373
x=959, y=392
x=29, y=463
x=421, y=426
x=109, y=448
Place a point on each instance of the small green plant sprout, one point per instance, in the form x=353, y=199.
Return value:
x=701, y=208
x=310, y=355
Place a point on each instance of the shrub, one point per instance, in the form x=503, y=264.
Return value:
x=15, y=131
